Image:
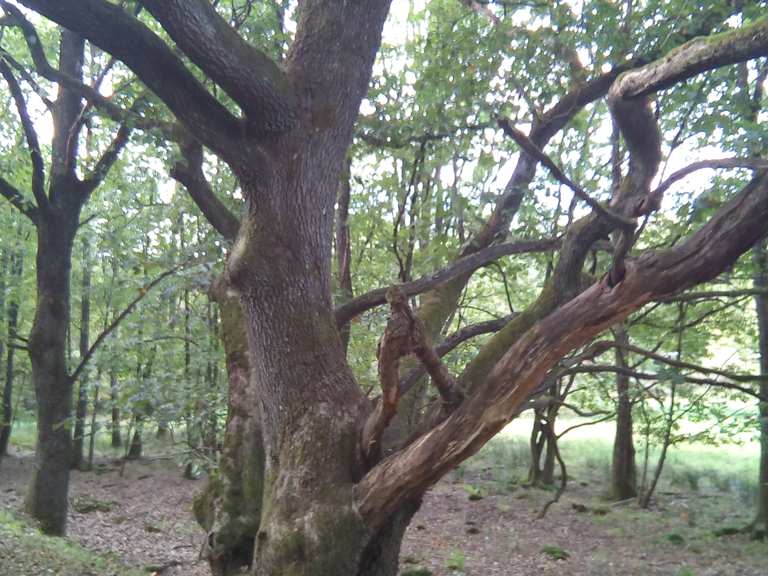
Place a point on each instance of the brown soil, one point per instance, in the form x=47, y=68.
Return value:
x=149, y=524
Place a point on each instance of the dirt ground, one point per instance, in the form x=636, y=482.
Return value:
x=149, y=526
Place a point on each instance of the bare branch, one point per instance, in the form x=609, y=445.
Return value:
x=143, y=291
x=383, y=140
x=395, y=344
x=17, y=199
x=38, y=167
x=678, y=363
x=530, y=148
x=607, y=368
x=107, y=160
x=751, y=163
x=465, y=265
x=451, y=342
x=713, y=294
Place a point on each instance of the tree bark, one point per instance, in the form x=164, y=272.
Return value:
x=47, y=497
x=623, y=470
x=229, y=508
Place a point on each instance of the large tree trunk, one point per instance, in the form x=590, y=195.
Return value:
x=311, y=406
x=623, y=470
x=760, y=525
x=47, y=498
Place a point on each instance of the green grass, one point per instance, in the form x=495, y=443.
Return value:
x=24, y=436
x=729, y=468
x=24, y=550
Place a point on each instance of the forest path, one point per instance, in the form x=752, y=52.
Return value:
x=146, y=521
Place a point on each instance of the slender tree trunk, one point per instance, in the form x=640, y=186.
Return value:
x=136, y=446
x=623, y=470
x=117, y=439
x=760, y=524
x=16, y=261
x=537, y=447
x=94, y=427
x=162, y=431
x=47, y=497
x=81, y=411
x=7, y=409
x=646, y=495
x=543, y=474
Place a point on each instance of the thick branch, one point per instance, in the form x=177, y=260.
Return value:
x=607, y=368
x=695, y=57
x=407, y=473
x=190, y=174
x=628, y=95
x=153, y=61
x=450, y=343
x=248, y=75
x=349, y=310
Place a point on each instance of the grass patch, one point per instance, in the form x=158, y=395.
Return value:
x=555, y=552
x=24, y=550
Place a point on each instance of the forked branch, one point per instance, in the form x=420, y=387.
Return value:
x=405, y=334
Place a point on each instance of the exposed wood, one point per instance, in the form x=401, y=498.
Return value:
x=654, y=274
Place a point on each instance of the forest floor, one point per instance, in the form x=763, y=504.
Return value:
x=479, y=521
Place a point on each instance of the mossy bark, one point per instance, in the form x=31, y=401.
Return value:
x=229, y=507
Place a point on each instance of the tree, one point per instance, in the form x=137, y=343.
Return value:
x=332, y=503
x=623, y=472
x=55, y=213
